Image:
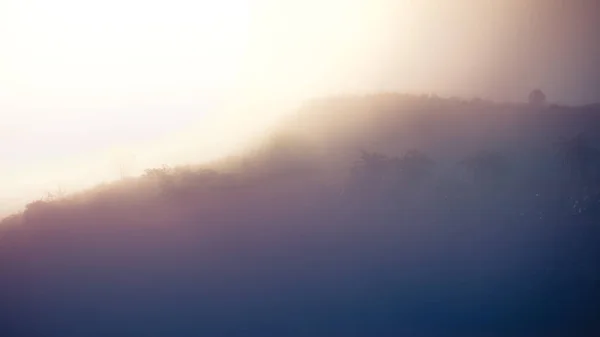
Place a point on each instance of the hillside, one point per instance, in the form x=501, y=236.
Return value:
x=375, y=215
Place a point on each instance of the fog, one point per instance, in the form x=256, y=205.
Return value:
x=299, y=168
x=378, y=215
x=83, y=86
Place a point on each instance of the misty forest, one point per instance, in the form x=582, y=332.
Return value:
x=377, y=215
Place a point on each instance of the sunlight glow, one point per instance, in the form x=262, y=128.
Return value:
x=118, y=45
x=169, y=82
x=80, y=80
x=83, y=83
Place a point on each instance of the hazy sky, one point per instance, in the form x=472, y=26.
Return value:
x=87, y=86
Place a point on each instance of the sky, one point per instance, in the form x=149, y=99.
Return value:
x=88, y=88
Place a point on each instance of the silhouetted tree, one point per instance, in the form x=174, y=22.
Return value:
x=285, y=153
x=537, y=98
x=36, y=210
x=383, y=179
x=162, y=176
x=372, y=169
x=414, y=166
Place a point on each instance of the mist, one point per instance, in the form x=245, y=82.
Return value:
x=361, y=215
x=86, y=86
x=299, y=168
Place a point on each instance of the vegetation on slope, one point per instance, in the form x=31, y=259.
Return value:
x=375, y=215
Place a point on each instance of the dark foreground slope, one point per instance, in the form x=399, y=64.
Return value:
x=455, y=219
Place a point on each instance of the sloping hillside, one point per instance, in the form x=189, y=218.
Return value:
x=365, y=216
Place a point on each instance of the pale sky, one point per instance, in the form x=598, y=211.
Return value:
x=88, y=85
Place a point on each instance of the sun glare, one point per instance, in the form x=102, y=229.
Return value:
x=79, y=78
x=119, y=45
x=171, y=81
